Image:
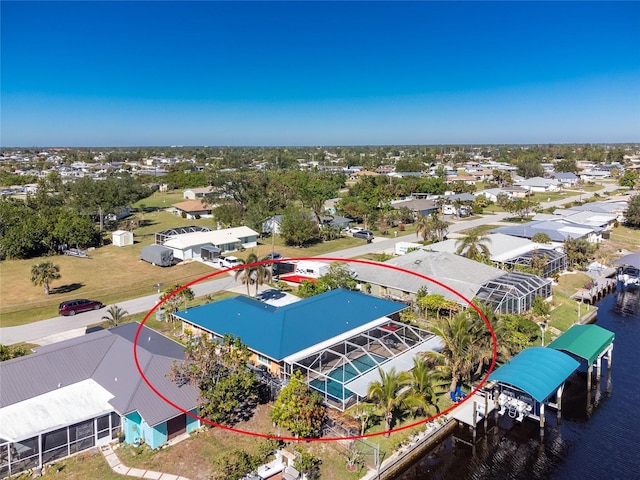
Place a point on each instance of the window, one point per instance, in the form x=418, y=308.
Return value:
x=264, y=360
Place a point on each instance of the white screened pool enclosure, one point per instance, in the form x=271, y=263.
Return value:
x=342, y=371
x=513, y=292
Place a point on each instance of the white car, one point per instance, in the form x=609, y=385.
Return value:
x=228, y=262
x=355, y=229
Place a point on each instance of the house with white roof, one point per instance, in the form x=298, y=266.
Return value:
x=81, y=393
x=188, y=246
x=539, y=184
x=568, y=179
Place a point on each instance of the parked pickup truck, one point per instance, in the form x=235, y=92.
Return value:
x=228, y=262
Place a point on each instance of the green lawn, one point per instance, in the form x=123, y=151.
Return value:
x=161, y=199
x=564, y=312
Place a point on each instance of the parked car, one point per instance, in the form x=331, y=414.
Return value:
x=228, y=262
x=272, y=256
x=79, y=305
x=366, y=234
x=355, y=229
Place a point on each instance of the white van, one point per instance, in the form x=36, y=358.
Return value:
x=449, y=210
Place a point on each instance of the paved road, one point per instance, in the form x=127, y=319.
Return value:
x=58, y=328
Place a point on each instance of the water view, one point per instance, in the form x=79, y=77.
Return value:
x=601, y=440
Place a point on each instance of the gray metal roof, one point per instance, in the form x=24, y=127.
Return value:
x=459, y=273
x=557, y=231
x=106, y=357
x=52, y=368
x=501, y=246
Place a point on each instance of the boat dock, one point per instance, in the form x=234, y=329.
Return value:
x=595, y=290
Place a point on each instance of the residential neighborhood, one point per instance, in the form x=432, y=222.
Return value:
x=462, y=240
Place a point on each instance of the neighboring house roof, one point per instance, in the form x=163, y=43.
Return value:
x=539, y=182
x=538, y=371
x=579, y=217
x=64, y=406
x=190, y=206
x=501, y=247
x=417, y=205
x=105, y=357
x=203, y=190
x=556, y=230
x=462, y=197
x=584, y=341
x=492, y=191
x=446, y=268
x=565, y=176
x=278, y=332
x=601, y=207
x=215, y=237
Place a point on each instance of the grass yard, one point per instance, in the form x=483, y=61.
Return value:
x=564, y=310
x=160, y=199
x=196, y=457
x=83, y=466
x=114, y=274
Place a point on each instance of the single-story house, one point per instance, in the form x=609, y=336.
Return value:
x=581, y=217
x=493, y=193
x=418, y=206
x=274, y=223
x=616, y=207
x=337, y=339
x=193, y=209
x=460, y=197
x=446, y=268
x=539, y=184
x=187, y=246
x=466, y=179
x=77, y=394
x=568, y=179
x=507, y=250
x=557, y=230
x=515, y=191
x=593, y=175
x=198, y=193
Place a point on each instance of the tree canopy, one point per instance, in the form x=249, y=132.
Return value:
x=299, y=409
x=633, y=212
x=228, y=389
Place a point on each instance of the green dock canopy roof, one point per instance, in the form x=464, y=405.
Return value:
x=539, y=371
x=584, y=341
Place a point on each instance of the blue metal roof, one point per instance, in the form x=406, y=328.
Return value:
x=278, y=332
x=539, y=371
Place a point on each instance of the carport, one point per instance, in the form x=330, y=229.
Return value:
x=530, y=380
x=587, y=344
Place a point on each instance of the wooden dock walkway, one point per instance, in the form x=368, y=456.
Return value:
x=595, y=290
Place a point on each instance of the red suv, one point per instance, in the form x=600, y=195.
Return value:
x=71, y=307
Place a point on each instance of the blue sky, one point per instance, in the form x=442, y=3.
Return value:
x=318, y=73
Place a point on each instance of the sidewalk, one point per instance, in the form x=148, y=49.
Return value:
x=114, y=462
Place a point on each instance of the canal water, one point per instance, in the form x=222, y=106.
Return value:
x=596, y=441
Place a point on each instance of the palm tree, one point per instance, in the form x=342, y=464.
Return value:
x=423, y=227
x=262, y=274
x=455, y=358
x=474, y=244
x=386, y=393
x=426, y=384
x=43, y=273
x=244, y=274
x=115, y=315
x=431, y=227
